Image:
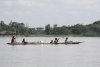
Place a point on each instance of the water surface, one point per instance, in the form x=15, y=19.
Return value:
x=85, y=54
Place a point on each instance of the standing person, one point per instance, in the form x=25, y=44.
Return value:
x=13, y=39
x=66, y=40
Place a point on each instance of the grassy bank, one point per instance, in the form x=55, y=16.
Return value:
x=39, y=35
x=56, y=35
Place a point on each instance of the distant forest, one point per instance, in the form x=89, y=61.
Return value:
x=15, y=28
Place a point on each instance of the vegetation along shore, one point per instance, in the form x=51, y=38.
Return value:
x=22, y=30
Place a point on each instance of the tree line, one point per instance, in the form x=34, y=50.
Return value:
x=15, y=28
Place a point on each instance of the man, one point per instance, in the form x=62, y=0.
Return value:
x=56, y=41
x=24, y=41
x=13, y=39
x=66, y=40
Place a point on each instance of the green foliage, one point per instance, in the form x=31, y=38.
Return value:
x=78, y=29
x=61, y=31
x=97, y=22
x=13, y=29
x=94, y=28
x=48, y=29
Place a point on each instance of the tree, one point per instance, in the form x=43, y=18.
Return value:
x=13, y=29
x=94, y=28
x=97, y=22
x=79, y=28
x=55, y=31
x=55, y=25
x=31, y=30
x=2, y=23
x=61, y=31
x=17, y=32
x=48, y=29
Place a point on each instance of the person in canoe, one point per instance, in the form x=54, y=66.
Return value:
x=66, y=40
x=13, y=39
x=24, y=41
x=51, y=41
x=56, y=41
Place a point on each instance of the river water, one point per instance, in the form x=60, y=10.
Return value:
x=85, y=54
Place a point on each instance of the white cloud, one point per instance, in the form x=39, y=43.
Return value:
x=8, y=3
x=74, y=12
x=1, y=19
x=52, y=5
x=23, y=12
x=79, y=2
x=30, y=3
x=87, y=2
x=50, y=10
x=7, y=13
x=95, y=18
x=93, y=7
x=47, y=0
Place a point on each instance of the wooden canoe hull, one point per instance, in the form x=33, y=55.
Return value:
x=32, y=43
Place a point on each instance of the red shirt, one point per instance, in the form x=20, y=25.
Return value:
x=12, y=40
x=55, y=41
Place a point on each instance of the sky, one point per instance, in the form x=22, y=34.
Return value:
x=39, y=13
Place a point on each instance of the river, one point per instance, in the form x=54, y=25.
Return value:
x=86, y=54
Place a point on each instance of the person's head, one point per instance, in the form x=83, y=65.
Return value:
x=66, y=37
x=55, y=38
x=12, y=36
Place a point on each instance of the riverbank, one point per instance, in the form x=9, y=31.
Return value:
x=39, y=35
x=56, y=35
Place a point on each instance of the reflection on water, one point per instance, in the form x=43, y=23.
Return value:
x=86, y=54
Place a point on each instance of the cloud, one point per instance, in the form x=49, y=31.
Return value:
x=7, y=13
x=23, y=12
x=52, y=5
x=93, y=7
x=74, y=12
x=14, y=13
x=8, y=3
x=80, y=2
x=29, y=3
x=1, y=19
x=50, y=11
x=47, y=0
x=26, y=3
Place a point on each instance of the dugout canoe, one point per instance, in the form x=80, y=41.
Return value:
x=34, y=43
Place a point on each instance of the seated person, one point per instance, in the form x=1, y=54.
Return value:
x=66, y=40
x=24, y=41
x=51, y=41
x=13, y=39
x=55, y=41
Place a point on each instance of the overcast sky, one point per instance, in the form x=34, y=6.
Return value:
x=38, y=13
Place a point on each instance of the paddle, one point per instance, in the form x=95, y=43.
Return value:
x=15, y=39
x=58, y=39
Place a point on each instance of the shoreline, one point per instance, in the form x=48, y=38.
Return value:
x=47, y=36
